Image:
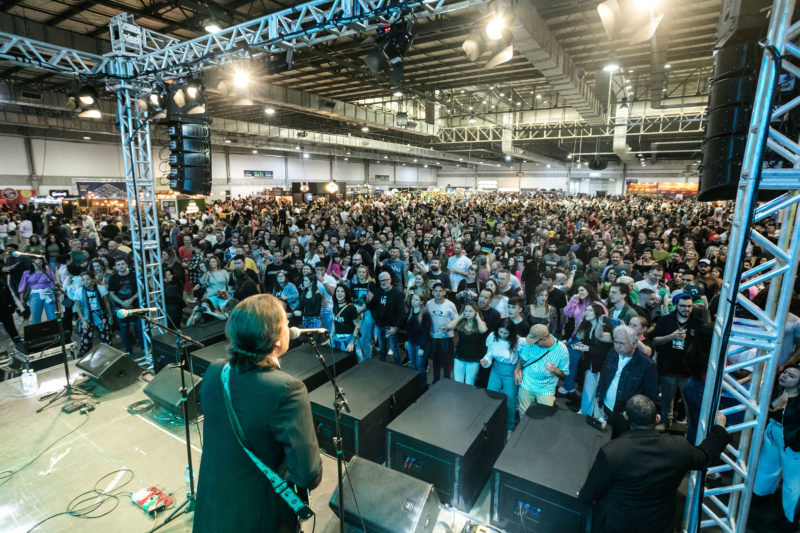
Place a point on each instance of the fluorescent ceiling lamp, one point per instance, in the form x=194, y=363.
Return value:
x=212, y=27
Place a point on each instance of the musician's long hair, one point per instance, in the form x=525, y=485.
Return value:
x=253, y=328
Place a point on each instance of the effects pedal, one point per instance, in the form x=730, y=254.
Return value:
x=75, y=405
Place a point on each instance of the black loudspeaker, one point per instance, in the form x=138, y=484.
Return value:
x=389, y=501
x=190, y=157
x=598, y=163
x=536, y=479
x=110, y=367
x=449, y=437
x=164, y=390
x=730, y=106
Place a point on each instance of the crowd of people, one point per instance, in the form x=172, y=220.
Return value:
x=535, y=296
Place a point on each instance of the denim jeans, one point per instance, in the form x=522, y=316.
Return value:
x=693, y=396
x=393, y=343
x=419, y=361
x=465, y=371
x=124, y=325
x=501, y=379
x=574, y=360
x=340, y=342
x=442, y=355
x=36, y=304
x=588, y=400
x=327, y=319
x=365, y=341
x=776, y=460
x=670, y=386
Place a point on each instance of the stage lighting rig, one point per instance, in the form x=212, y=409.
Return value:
x=393, y=42
x=277, y=63
x=84, y=103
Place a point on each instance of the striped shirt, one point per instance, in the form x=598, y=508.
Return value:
x=535, y=379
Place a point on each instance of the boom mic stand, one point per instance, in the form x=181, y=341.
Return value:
x=339, y=403
x=183, y=362
x=69, y=390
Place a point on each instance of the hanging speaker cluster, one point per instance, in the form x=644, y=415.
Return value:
x=190, y=158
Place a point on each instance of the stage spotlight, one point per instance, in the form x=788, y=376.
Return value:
x=241, y=78
x=401, y=119
x=495, y=27
x=84, y=103
x=87, y=95
x=393, y=42
x=280, y=63
x=211, y=26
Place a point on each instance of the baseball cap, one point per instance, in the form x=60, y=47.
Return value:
x=622, y=270
x=538, y=331
x=704, y=262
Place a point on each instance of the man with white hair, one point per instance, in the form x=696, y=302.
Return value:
x=626, y=372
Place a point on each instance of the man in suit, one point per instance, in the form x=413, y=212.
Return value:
x=626, y=372
x=634, y=478
x=274, y=413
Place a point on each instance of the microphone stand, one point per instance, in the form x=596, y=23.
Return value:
x=183, y=361
x=69, y=390
x=339, y=403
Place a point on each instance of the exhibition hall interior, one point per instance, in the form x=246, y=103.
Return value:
x=452, y=266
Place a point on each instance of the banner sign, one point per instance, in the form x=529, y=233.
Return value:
x=59, y=193
x=102, y=189
x=381, y=177
x=258, y=174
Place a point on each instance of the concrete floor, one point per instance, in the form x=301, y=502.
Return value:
x=112, y=439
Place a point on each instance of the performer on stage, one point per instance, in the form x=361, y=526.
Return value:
x=275, y=415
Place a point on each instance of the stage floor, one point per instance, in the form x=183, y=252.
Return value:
x=103, y=442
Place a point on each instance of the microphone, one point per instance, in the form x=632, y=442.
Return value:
x=295, y=333
x=124, y=313
x=25, y=254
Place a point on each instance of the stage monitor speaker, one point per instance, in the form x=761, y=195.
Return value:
x=164, y=390
x=389, y=501
x=110, y=367
x=536, y=479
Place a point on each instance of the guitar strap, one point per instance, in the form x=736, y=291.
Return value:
x=279, y=485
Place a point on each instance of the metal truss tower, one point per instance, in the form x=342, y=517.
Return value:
x=726, y=505
x=134, y=128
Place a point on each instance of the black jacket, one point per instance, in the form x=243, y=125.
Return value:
x=634, y=478
x=638, y=377
x=275, y=414
x=388, y=309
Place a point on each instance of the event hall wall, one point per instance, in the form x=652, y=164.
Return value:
x=59, y=164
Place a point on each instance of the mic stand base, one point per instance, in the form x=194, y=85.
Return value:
x=183, y=361
x=339, y=403
x=69, y=390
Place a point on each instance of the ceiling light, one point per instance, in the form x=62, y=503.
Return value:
x=667, y=66
x=212, y=27
x=241, y=78
x=493, y=106
x=306, y=155
x=90, y=113
x=471, y=120
x=365, y=129
x=470, y=108
x=508, y=158
x=645, y=5
x=538, y=96
x=398, y=94
x=348, y=152
x=347, y=159
x=484, y=102
x=227, y=141
x=87, y=138
x=569, y=156
x=255, y=151
x=519, y=103
x=415, y=161
x=629, y=87
x=502, y=94
x=611, y=66
x=630, y=71
x=87, y=95
x=548, y=165
x=426, y=166
x=460, y=158
x=296, y=147
x=494, y=28
x=269, y=111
